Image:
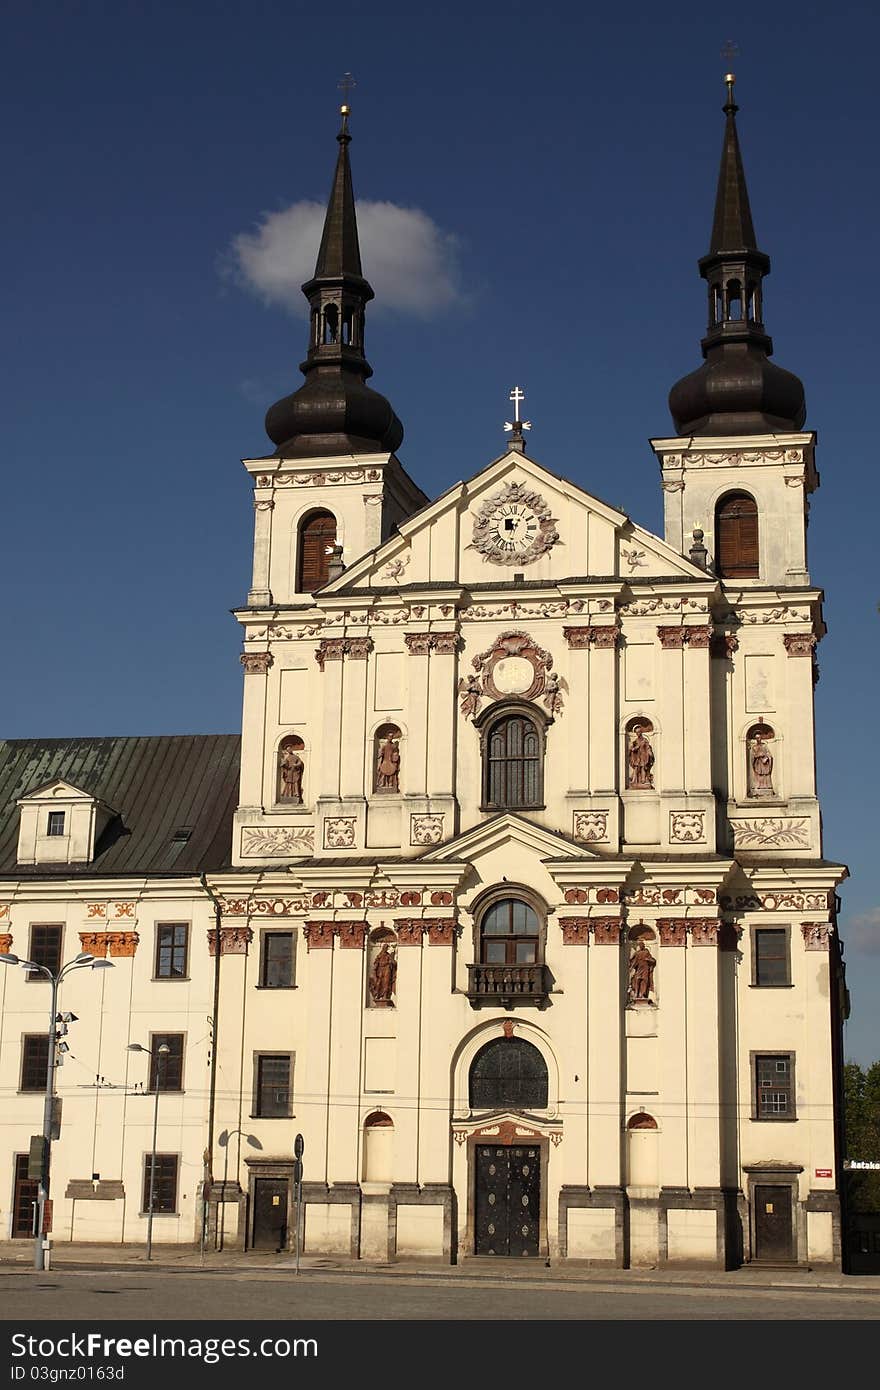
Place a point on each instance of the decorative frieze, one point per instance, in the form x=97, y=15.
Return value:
x=541, y=608
x=234, y=941
x=687, y=827
x=794, y=901
x=732, y=458
x=590, y=825
x=321, y=478
x=771, y=832
x=265, y=907
x=259, y=842
x=575, y=931
x=256, y=663
x=817, y=935
x=673, y=930
x=602, y=635
x=426, y=830
x=799, y=643
x=704, y=930
x=606, y=930
x=684, y=895
x=339, y=832
x=580, y=896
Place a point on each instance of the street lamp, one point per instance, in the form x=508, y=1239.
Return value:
x=162, y=1053
x=83, y=960
x=223, y=1140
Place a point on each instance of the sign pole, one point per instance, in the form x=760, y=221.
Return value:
x=298, y=1146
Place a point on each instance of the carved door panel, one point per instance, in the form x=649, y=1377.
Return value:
x=270, y=1214
x=26, y=1190
x=508, y=1200
x=773, y=1234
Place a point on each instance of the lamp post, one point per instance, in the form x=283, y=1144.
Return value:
x=82, y=961
x=223, y=1140
x=161, y=1054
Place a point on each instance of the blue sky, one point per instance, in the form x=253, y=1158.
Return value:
x=560, y=162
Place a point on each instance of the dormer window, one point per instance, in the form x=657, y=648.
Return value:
x=60, y=824
x=55, y=825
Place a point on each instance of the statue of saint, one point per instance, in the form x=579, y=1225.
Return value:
x=640, y=760
x=388, y=766
x=641, y=974
x=760, y=766
x=291, y=767
x=383, y=976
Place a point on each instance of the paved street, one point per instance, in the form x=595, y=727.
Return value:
x=165, y=1294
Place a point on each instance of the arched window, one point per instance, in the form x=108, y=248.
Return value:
x=510, y=934
x=736, y=536
x=317, y=536
x=508, y=1074
x=513, y=756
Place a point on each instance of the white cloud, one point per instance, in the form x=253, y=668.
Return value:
x=862, y=933
x=410, y=261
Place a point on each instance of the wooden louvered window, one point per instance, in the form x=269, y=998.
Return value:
x=512, y=771
x=736, y=537
x=317, y=536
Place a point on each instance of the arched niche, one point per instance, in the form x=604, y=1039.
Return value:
x=642, y=1151
x=760, y=761
x=291, y=769
x=387, y=760
x=378, y=1147
x=640, y=754
x=381, y=969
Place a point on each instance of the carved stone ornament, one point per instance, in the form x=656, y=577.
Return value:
x=575, y=931
x=723, y=645
x=590, y=825
x=780, y=902
x=729, y=935
x=420, y=643
x=256, y=663
x=733, y=458
x=641, y=973
x=673, y=638
x=395, y=568
x=687, y=827
x=704, y=931
x=409, y=931
x=513, y=526
x=817, y=935
x=352, y=935
x=319, y=478
x=426, y=830
x=339, y=832
x=513, y=666
x=672, y=930
x=606, y=930
x=234, y=941
x=652, y=895
x=96, y=943
x=770, y=832
x=604, y=635
x=799, y=643
x=5, y=943
x=382, y=978
x=319, y=935
x=4, y=911
x=441, y=930
x=336, y=648
x=265, y=907
x=274, y=842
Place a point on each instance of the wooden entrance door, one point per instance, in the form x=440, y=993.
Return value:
x=270, y=1214
x=26, y=1190
x=773, y=1235
x=507, y=1200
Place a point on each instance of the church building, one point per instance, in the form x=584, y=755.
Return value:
x=509, y=907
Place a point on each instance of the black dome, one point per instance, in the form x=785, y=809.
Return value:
x=738, y=390
x=333, y=413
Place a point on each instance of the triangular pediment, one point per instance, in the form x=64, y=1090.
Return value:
x=58, y=790
x=509, y=830
x=515, y=519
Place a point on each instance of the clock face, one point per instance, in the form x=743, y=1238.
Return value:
x=514, y=526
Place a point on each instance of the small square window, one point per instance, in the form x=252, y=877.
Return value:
x=34, y=1061
x=272, y=1085
x=164, y=1183
x=45, y=949
x=770, y=957
x=172, y=940
x=276, y=963
x=166, y=1069
x=774, y=1086
x=55, y=824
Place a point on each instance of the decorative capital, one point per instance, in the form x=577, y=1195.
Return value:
x=96, y=943
x=123, y=943
x=729, y=936
x=606, y=930
x=256, y=663
x=336, y=648
x=234, y=941
x=358, y=648
x=592, y=635
x=352, y=935
x=5, y=942
x=799, y=643
x=699, y=636
x=704, y=931
x=575, y=931
x=723, y=645
x=443, y=643
x=672, y=638
x=817, y=935
x=441, y=930
x=409, y=931
x=673, y=931
x=319, y=935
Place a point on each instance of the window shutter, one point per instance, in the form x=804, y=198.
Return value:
x=736, y=548
x=317, y=535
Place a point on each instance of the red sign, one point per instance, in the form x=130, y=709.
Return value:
x=47, y=1217
x=823, y=1172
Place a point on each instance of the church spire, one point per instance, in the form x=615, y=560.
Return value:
x=737, y=390
x=334, y=411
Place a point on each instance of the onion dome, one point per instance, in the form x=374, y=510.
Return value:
x=737, y=390
x=334, y=411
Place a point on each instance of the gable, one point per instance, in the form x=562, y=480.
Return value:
x=515, y=518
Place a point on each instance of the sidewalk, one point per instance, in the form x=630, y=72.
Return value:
x=17, y=1257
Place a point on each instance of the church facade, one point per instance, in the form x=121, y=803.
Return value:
x=513, y=906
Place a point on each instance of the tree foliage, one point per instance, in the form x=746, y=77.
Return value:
x=861, y=1091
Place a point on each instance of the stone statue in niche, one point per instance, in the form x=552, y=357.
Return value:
x=640, y=759
x=641, y=974
x=760, y=762
x=382, y=978
x=290, y=774
x=388, y=765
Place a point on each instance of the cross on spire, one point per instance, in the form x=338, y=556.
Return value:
x=346, y=84
x=517, y=426
x=728, y=53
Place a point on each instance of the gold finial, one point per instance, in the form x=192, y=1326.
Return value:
x=728, y=53
x=345, y=85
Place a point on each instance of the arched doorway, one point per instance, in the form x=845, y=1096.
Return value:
x=507, y=1074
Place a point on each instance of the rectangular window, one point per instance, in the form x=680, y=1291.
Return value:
x=166, y=1070
x=165, y=1183
x=55, y=824
x=770, y=956
x=276, y=964
x=774, y=1086
x=171, y=950
x=45, y=950
x=34, y=1061
x=272, y=1085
